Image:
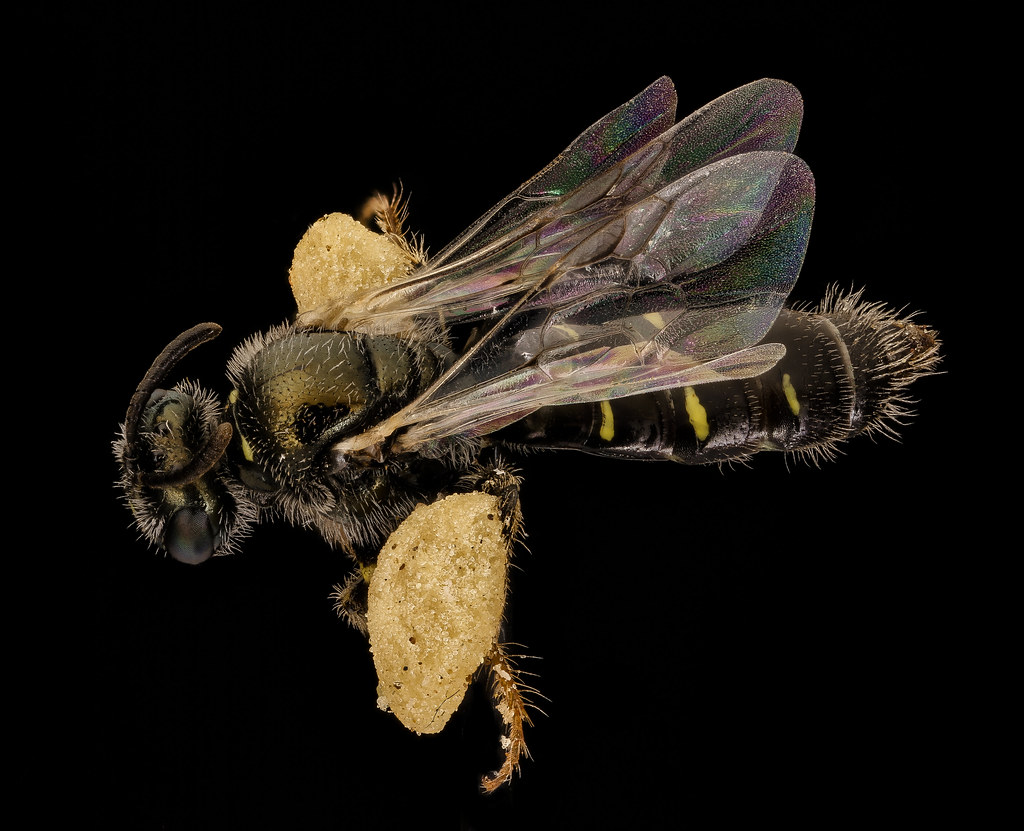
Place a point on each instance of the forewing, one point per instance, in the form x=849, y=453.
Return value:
x=682, y=292
x=629, y=155
x=663, y=269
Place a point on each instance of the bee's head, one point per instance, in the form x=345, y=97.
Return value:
x=171, y=452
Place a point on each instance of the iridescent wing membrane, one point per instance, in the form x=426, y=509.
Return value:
x=646, y=256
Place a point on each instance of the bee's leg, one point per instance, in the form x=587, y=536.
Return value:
x=350, y=601
x=350, y=597
x=389, y=214
x=444, y=571
x=494, y=478
x=503, y=482
x=434, y=606
x=508, y=694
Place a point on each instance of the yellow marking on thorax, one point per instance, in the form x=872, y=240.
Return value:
x=607, y=421
x=246, y=449
x=790, y=391
x=698, y=415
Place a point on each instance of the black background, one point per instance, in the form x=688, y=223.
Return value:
x=772, y=642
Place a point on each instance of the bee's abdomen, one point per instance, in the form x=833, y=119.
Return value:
x=846, y=370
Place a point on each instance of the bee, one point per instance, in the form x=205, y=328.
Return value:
x=627, y=301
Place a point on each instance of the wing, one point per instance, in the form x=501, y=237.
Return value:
x=646, y=256
x=629, y=154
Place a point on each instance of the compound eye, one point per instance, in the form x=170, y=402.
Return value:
x=189, y=536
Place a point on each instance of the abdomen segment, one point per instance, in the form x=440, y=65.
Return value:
x=846, y=370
